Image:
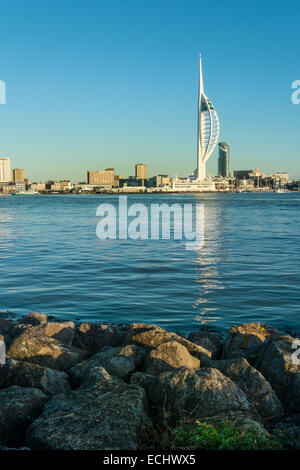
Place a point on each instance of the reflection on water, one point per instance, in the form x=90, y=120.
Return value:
x=6, y=230
x=207, y=262
x=51, y=261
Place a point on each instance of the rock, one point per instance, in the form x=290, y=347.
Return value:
x=276, y=365
x=151, y=336
x=64, y=332
x=18, y=408
x=146, y=381
x=168, y=357
x=257, y=389
x=289, y=429
x=24, y=374
x=248, y=341
x=292, y=401
x=106, y=416
x=32, y=345
x=119, y=362
x=208, y=340
x=201, y=393
x=14, y=448
x=34, y=319
x=6, y=327
x=93, y=337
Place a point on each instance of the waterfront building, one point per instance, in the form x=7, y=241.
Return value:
x=141, y=171
x=281, y=178
x=208, y=129
x=17, y=174
x=5, y=171
x=38, y=186
x=189, y=184
x=160, y=180
x=20, y=186
x=243, y=174
x=63, y=185
x=101, y=177
x=223, y=161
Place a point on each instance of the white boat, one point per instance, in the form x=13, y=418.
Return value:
x=32, y=192
x=280, y=190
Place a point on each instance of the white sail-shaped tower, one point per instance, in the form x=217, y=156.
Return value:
x=208, y=129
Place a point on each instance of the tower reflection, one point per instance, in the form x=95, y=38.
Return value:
x=208, y=262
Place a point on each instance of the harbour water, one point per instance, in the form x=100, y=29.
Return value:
x=51, y=261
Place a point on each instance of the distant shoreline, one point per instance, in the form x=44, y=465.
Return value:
x=120, y=193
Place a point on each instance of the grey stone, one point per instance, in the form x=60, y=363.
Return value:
x=248, y=341
x=257, y=389
x=289, y=429
x=105, y=416
x=64, y=332
x=18, y=408
x=32, y=345
x=292, y=401
x=119, y=362
x=208, y=340
x=93, y=337
x=151, y=336
x=201, y=393
x=34, y=319
x=276, y=364
x=168, y=357
x=25, y=374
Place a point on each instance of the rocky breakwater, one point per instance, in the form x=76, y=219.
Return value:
x=95, y=386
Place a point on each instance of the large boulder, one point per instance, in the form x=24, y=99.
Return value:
x=289, y=430
x=18, y=408
x=34, y=319
x=209, y=340
x=6, y=327
x=64, y=332
x=202, y=393
x=292, y=401
x=93, y=336
x=277, y=365
x=248, y=341
x=257, y=389
x=24, y=374
x=105, y=415
x=168, y=357
x=119, y=362
x=32, y=345
x=146, y=381
x=151, y=336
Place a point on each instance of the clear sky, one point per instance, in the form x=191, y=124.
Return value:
x=97, y=84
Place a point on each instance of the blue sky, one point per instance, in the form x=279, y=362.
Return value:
x=95, y=84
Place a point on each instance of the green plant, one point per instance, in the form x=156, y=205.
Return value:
x=225, y=435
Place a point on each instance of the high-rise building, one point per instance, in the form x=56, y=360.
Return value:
x=5, y=171
x=101, y=177
x=208, y=128
x=18, y=175
x=223, y=161
x=141, y=171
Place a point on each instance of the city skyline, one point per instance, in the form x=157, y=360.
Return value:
x=111, y=93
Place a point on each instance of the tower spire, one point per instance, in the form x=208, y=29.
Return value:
x=201, y=87
x=208, y=128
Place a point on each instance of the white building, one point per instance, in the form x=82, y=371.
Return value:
x=208, y=129
x=207, y=138
x=192, y=185
x=5, y=170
